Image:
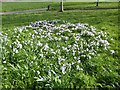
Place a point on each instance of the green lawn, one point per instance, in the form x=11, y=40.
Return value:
x=14, y=6
x=105, y=67
x=85, y=5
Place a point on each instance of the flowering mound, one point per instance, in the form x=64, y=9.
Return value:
x=50, y=48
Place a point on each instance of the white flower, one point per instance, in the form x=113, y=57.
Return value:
x=35, y=32
x=53, y=53
x=78, y=67
x=66, y=38
x=105, y=42
x=111, y=39
x=0, y=34
x=87, y=49
x=46, y=46
x=92, y=53
x=60, y=60
x=90, y=33
x=55, y=38
x=89, y=56
x=41, y=55
x=5, y=69
x=75, y=57
x=63, y=69
x=112, y=51
x=41, y=79
x=34, y=57
x=59, y=38
x=49, y=73
x=19, y=46
x=69, y=46
x=38, y=72
x=39, y=44
x=20, y=29
x=53, y=72
x=79, y=61
x=4, y=62
x=15, y=50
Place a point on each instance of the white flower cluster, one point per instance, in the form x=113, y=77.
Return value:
x=65, y=43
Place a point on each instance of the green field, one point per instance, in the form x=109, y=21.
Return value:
x=14, y=6
x=100, y=71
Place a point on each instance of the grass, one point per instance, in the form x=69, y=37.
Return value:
x=14, y=6
x=103, y=20
x=94, y=17
x=84, y=5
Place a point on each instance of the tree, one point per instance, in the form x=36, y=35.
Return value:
x=97, y=1
x=61, y=6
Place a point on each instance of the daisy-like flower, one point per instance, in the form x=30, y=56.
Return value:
x=112, y=51
x=46, y=46
x=19, y=45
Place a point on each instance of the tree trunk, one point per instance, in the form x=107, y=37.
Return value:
x=97, y=2
x=61, y=6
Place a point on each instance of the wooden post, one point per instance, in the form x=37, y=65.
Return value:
x=61, y=6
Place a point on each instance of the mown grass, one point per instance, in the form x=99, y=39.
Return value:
x=84, y=5
x=14, y=6
x=105, y=20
